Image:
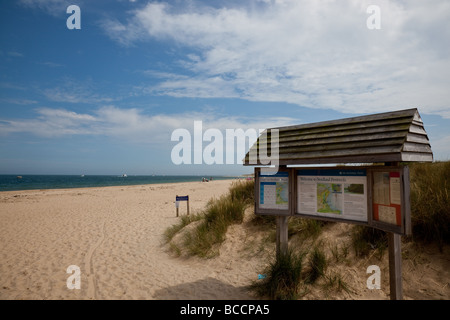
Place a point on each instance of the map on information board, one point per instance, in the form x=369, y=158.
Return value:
x=329, y=198
x=335, y=193
x=274, y=191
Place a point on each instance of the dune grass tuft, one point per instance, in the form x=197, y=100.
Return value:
x=283, y=277
x=365, y=239
x=215, y=219
x=317, y=265
x=430, y=202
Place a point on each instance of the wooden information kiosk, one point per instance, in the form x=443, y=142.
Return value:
x=375, y=192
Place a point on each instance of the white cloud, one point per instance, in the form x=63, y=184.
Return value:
x=18, y=101
x=12, y=86
x=73, y=91
x=51, y=64
x=441, y=148
x=15, y=54
x=318, y=54
x=56, y=8
x=51, y=123
x=130, y=125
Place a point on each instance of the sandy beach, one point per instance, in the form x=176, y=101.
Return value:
x=115, y=236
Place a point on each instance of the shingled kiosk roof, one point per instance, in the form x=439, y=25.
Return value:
x=384, y=137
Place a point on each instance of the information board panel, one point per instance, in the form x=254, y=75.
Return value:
x=273, y=192
x=390, y=208
x=337, y=194
x=376, y=196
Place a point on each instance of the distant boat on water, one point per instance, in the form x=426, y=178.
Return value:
x=19, y=177
x=124, y=175
x=82, y=175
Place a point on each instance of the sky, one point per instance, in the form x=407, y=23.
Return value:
x=106, y=97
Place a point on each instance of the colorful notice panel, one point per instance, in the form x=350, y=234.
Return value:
x=333, y=193
x=274, y=191
x=387, y=197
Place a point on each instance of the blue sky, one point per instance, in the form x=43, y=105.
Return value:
x=105, y=99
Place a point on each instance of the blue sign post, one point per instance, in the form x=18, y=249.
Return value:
x=181, y=198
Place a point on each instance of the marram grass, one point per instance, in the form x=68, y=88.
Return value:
x=215, y=219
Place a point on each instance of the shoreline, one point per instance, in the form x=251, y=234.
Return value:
x=121, y=186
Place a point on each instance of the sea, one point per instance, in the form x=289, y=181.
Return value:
x=36, y=182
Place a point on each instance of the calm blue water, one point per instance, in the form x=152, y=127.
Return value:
x=32, y=182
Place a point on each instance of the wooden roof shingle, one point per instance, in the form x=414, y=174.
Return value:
x=384, y=137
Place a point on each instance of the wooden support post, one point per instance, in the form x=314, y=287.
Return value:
x=177, y=204
x=395, y=266
x=282, y=235
x=188, y=206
